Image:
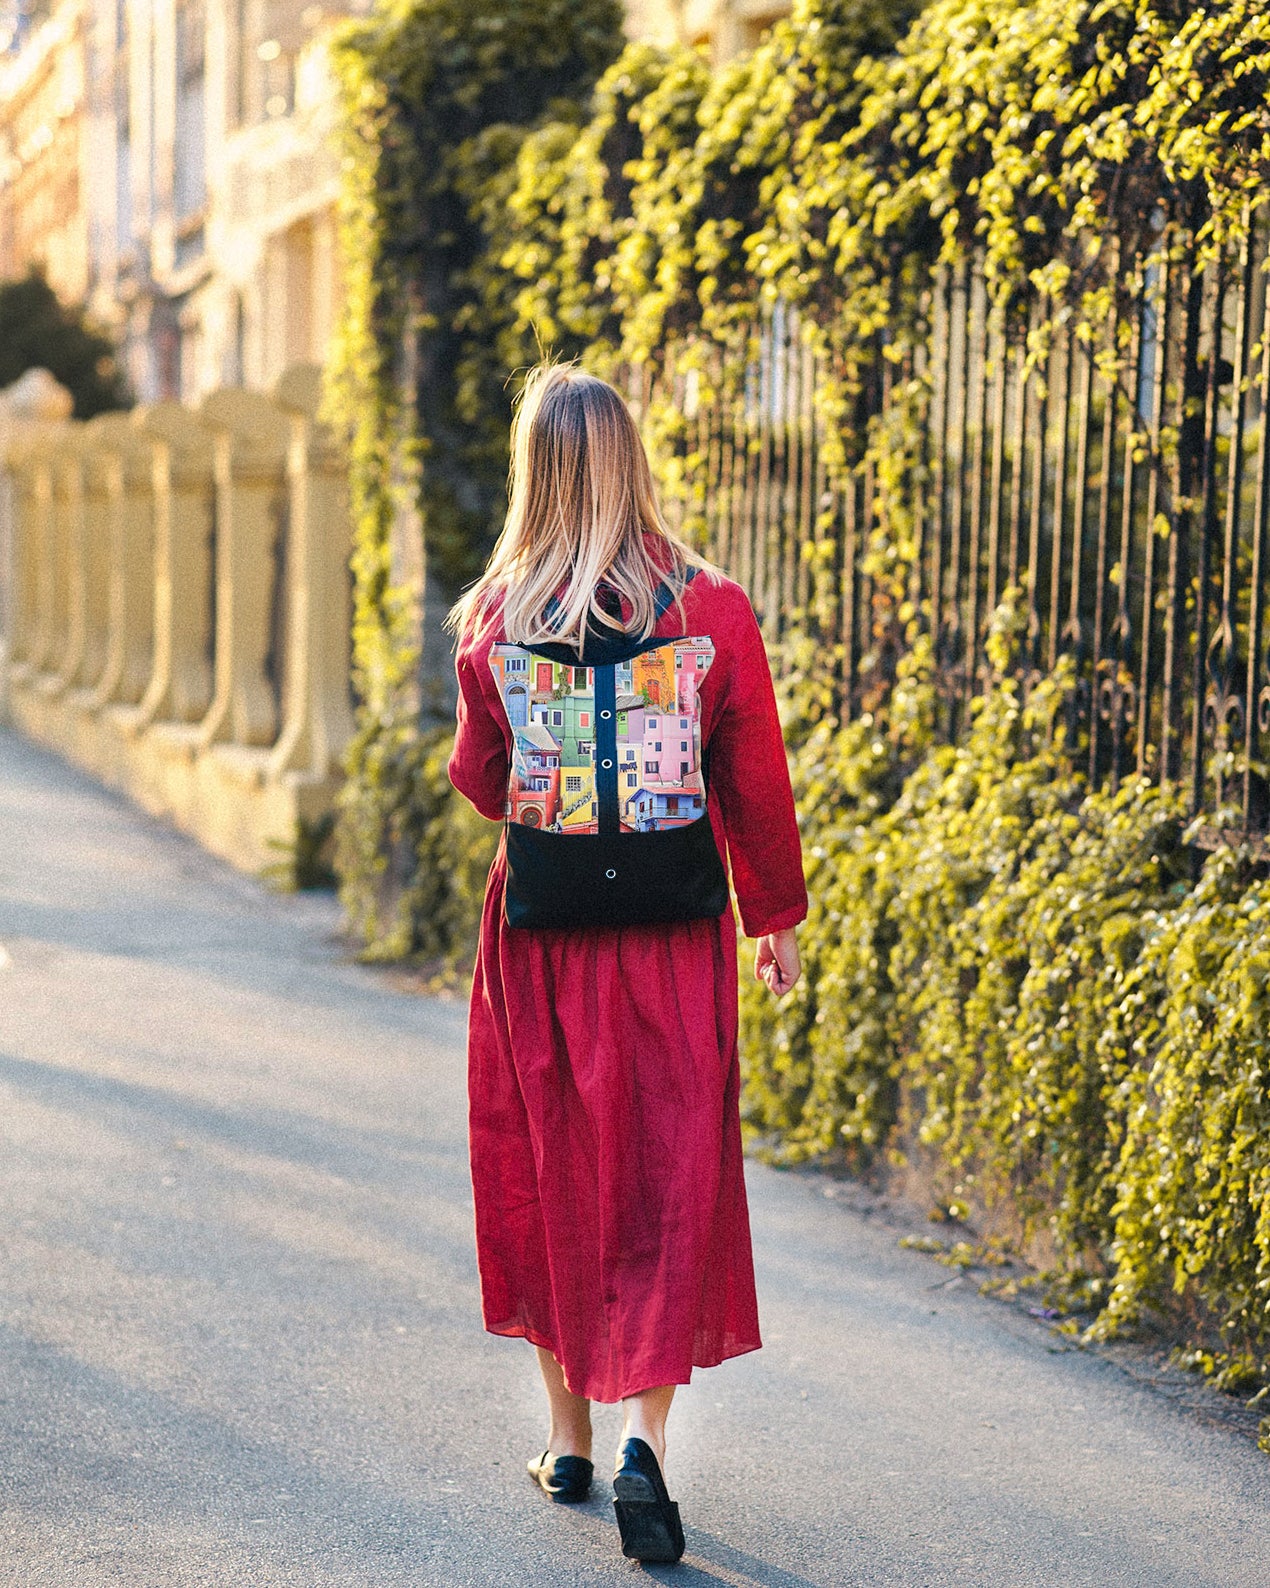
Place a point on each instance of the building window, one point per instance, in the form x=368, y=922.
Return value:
x=557, y=719
x=573, y=785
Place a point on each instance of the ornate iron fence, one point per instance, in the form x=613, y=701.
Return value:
x=1116, y=474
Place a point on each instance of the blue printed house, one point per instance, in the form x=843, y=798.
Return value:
x=648, y=809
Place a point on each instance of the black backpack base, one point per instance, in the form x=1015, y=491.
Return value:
x=612, y=879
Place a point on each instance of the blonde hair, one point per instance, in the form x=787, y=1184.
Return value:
x=582, y=509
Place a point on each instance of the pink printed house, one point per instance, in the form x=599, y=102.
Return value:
x=692, y=663
x=670, y=749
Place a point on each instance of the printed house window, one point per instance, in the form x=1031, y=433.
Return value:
x=579, y=677
x=573, y=785
x=650, y=766
x=584, y=719
x=657, y=747
x=631, y=779
x=679, y=660
x=683, y=769
x=557, y=719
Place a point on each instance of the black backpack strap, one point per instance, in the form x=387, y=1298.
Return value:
x=665, y=595
x=608, y=808
x=661, y=601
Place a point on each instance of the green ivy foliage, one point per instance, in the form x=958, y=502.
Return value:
x=1017, y=978
x=421, y=898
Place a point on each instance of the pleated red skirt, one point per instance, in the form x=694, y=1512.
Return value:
x=611, y=1219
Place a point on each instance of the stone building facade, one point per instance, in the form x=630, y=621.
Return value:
x=43, y=128
x=174, y=164
x=214, y=183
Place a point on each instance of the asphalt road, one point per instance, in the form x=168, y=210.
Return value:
x=239, y=1328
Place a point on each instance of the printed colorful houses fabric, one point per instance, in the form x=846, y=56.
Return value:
x=551, y=711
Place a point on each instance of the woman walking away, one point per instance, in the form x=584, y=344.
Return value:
x=616, y=707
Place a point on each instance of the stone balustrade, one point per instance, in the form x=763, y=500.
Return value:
x=174, y=604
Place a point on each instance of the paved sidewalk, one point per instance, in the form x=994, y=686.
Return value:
x=239, y=1328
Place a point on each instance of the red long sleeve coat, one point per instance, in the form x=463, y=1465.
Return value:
x=605, y=1138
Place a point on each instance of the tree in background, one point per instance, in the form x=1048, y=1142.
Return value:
x=39, y=332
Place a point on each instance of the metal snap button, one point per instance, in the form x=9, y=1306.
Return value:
x=610, y=873
x=606, y=764
x=606, y=715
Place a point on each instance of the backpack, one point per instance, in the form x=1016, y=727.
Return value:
x=606, y=821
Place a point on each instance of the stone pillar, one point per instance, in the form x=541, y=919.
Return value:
x=250, y=442
x=180, y=688
x=97, y=522
x=27, y=514
x=36, y=464
x=10, y=630
x=317, y=720
x=122, y=463
x=32, y=401
x=72, y=524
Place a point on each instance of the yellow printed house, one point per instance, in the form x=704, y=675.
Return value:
x=577, y=799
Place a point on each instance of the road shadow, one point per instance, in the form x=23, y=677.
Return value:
x=82, y=1447
x=710, y=1560
x=707, y=1559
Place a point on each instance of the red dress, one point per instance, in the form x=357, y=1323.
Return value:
x=611, y=1221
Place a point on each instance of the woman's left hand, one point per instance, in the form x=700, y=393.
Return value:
x=776, y=961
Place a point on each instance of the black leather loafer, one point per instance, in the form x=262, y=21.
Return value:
x=647, y=1518
x=564, y=1478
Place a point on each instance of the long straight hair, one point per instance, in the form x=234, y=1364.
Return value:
x=582, y=509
